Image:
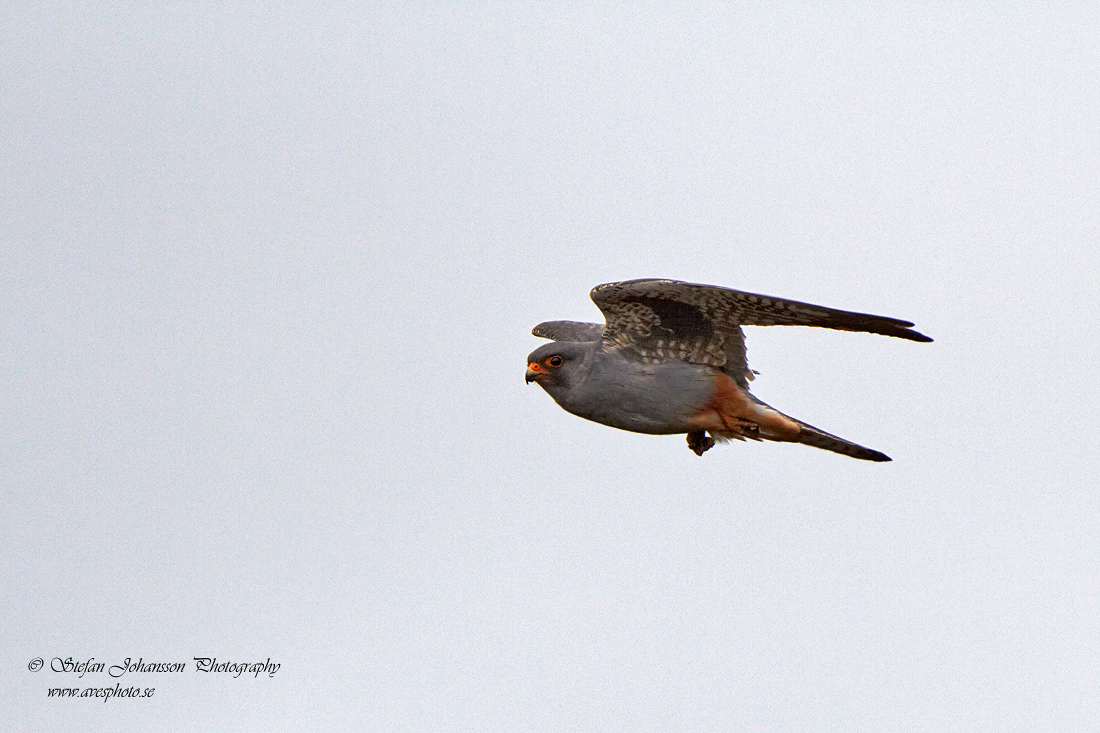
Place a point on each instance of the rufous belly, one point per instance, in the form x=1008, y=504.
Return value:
x=730, y=413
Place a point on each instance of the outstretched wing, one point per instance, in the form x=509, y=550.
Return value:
x=568, y=331
x=661, y=319
x=668, y=319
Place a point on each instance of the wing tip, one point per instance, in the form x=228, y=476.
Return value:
x=911, y=335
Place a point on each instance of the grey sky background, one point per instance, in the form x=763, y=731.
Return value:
x=267, y=282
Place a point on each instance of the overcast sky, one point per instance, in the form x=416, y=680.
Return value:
x=267, y=282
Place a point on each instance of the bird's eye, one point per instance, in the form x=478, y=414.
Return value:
x=555, y=361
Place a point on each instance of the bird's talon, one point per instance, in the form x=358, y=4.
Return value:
x=699, y=442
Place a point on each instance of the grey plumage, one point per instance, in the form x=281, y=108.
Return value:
x=569, y=331
x=657, y=364
x=610, y=387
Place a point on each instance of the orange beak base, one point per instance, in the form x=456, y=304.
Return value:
x=534, y=371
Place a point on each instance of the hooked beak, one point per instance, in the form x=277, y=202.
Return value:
x=534, y=371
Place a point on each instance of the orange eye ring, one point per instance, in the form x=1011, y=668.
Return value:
x=554, y=361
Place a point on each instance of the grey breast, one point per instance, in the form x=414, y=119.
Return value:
x=624, y=393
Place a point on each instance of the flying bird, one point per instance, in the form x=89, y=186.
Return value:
x=671, y=359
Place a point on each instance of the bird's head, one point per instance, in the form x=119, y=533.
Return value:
x=552, y=364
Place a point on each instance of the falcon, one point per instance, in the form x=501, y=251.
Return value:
x=670, y=359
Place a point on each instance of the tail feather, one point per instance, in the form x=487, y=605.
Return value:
x=826, y=441
x=809, y=435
